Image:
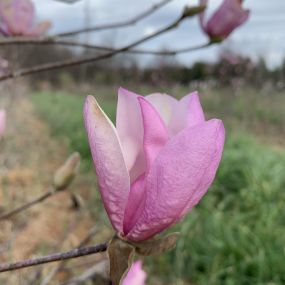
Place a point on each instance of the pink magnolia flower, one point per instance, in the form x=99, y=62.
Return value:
x=158, y=162
x=136, y=275
x=17, y=19
x=225, y=20
x=2, y=122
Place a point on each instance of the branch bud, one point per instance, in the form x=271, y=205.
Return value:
x=67, y=172
x=193, y=10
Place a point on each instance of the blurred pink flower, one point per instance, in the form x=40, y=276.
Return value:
x=158, y=162
x=135, y=276
x=17, y=19
x=2, y=122
x=4, y=66
x=225, y=20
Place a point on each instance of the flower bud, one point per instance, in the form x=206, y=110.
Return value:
x=66, y=173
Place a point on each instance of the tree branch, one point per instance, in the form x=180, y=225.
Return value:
x=117, y=25
x=54, y=257
x=28, y=205
x=73, y=62
x=72, y=43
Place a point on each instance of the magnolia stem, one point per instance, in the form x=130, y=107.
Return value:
x=28, y=205
x=54, y=257
x=73, y=62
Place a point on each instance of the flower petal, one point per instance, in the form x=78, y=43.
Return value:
x=136, y=275
x=130, y=131
x=187, y=113
x=164, y=105
x=109, y=162
x=39, y=29
x=2, y=121
x=155, y=137
x=155, y=134
x=228, y=17
x=180, y=175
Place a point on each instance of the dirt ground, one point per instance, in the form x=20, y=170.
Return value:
x=29, y=157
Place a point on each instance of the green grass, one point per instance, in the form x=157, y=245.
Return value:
x=236, y=235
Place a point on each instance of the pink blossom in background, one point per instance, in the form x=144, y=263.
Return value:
x=158, y=162
x=17, y=19
x=2, y=122
x=225, y=20
x=136, y=275
x=4, y=66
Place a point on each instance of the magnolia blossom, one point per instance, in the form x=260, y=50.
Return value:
x=158, y=162
x=225, y=20
x=2, y=122
x=135, y=276
x=17, y=19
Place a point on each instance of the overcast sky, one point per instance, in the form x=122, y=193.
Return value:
x=262, y=36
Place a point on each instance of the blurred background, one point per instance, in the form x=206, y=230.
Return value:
x=236, y=235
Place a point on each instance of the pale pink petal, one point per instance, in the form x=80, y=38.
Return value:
x=164, y=105
x=130, y=130
x=40, y=29
x=179, y=176
x=136, y=275
x=187, y=113
x=228, y=17
x=2, y=122
x=113, y=177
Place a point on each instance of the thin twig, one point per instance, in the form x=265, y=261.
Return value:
x=117, y=25
x=73, y=43
x=73, y=62
x=54, y=257
x=28, y=205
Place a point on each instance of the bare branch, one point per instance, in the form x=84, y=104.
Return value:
x=28, y=205
x=72, y=43
x=117, y=25
x=54, y=257
x=73, y=62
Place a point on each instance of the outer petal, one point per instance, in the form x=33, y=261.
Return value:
x=2, y=122
x=187, y=113
x=155, y=137
x=109, y=162
x=180, y=175
x=154, y=130
x=130, y=130
x=228, y=17
x=39, y=29
x=135, y=276
x=164, y=105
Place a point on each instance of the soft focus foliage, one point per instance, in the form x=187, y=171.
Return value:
x=17, y=19
x=158, y=162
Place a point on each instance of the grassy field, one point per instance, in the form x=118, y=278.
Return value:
x=236, y=235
